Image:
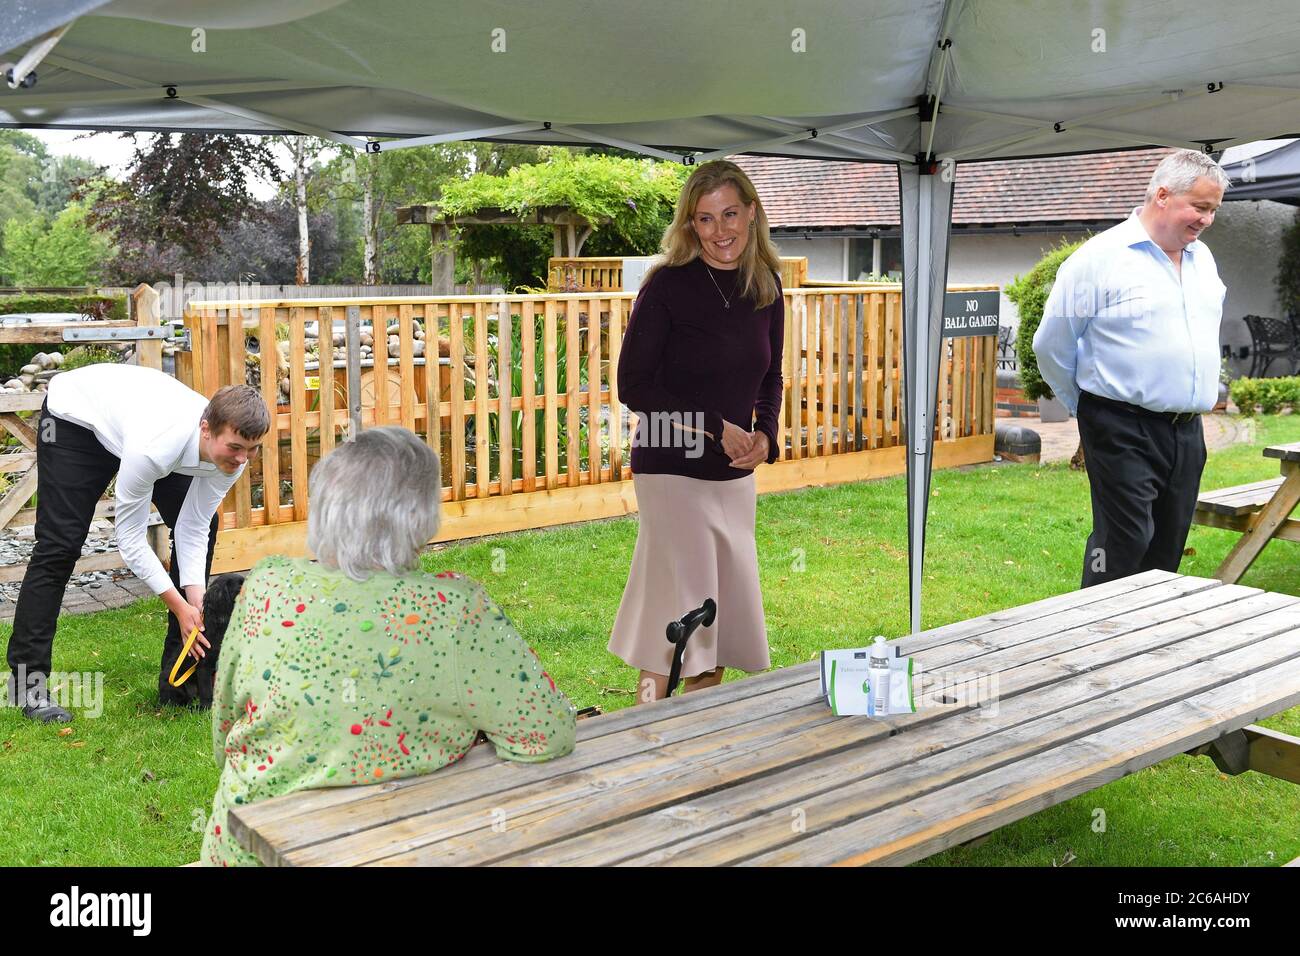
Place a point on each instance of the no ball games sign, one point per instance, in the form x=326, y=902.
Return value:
x=970, y=313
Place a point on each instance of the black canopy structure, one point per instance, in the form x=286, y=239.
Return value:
x=1273, y=174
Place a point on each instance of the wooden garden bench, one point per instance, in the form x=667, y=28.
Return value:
x=1260, y=511
x=1088, y=686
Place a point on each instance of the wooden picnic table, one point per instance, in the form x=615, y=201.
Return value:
x=1090, y=686
x=1260, y=510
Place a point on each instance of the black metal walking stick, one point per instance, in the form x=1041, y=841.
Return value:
x=679, y=632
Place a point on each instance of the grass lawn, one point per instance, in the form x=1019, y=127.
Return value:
x=131, y=787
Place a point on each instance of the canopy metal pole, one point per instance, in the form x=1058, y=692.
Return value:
x=353, y=336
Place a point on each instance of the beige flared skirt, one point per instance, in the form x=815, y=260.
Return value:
x=695, y=541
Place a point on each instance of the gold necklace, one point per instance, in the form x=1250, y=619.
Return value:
x=726, y=303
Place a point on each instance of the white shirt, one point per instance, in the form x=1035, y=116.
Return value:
x=1119, y=324
x=151, y=422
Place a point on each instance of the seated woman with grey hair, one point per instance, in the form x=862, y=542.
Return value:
x=360, y=667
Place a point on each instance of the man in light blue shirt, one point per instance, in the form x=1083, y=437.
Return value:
x=1129, y=341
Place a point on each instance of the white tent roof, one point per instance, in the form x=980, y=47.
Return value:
x=917, y=82
x=677, y=74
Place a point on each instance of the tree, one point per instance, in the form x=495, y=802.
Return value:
x=20, y=170
x=263, y=248
x=180, y=194
x=384, y=252
x=303, y=150
x=64, y=252
x=1029, y=293
x=633, y=198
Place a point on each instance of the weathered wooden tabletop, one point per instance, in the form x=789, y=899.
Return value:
x=1090, y=686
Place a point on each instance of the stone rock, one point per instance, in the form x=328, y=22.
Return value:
x=39, y=358
x=1016, y=442
x=394, y=344
x=393, y=329
x=14, y=383
x=419, y=334
x=30, y=369
x=367, y=339
x=27, y=379
x=340, y=339
x=57, y=358
x=418, y=349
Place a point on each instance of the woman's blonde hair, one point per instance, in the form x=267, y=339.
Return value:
x=760, y=263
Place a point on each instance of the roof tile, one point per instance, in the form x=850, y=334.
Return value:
x=808, y=193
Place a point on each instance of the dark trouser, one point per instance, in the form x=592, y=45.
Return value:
x=74, y=470
x=1145, y=473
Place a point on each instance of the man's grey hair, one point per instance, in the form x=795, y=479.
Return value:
x=1179, y=171
x=375, y=502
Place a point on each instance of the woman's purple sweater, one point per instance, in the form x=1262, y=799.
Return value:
x=688, y=362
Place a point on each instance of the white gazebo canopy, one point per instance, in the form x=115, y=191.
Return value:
x=923, y=83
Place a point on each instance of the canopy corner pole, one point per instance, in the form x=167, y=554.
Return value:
x=917, y=424
x=37, y=52
x=590, y=137
x=945, y=45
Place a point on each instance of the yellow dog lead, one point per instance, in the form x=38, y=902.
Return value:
x=189, y=643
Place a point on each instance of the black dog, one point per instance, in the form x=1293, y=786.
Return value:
x=218, y=604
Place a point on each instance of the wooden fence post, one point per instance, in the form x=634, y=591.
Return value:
x=146, y=312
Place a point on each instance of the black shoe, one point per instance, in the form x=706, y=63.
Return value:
x=38, y=706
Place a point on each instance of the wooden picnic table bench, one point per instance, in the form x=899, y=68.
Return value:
x=1259, y=510
x=1090, y=686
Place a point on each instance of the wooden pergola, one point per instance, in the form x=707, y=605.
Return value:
x=570, y=229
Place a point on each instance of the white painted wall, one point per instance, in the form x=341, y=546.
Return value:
x=825, y=255
x=1245, y=240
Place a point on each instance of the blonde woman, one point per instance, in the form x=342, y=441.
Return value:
x=701, y=368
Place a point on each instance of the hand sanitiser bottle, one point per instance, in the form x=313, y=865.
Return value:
x=878, y=677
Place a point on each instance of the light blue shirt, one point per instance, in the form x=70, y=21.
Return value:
x=1120, y=324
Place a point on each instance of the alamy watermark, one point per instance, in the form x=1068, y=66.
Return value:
x=176, y=296
x=71, y=690
x=671, y=430
x=1080, y=298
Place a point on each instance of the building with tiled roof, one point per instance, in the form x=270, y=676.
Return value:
x=844, y=218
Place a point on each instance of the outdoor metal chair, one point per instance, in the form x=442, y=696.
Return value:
x=1006, y=348
x=1271, y=339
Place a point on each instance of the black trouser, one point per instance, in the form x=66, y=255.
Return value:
x=74, y=470
x=1145, y=473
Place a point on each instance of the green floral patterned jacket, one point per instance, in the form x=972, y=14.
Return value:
x=328, y=682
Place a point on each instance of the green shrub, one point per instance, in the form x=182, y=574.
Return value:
x=1266, y=395
x=1029, y=292
x=14, y=357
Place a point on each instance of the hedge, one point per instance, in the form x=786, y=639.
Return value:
x=14, y=357
x=1267, y=395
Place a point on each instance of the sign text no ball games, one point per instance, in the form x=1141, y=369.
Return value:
x=970, y=313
